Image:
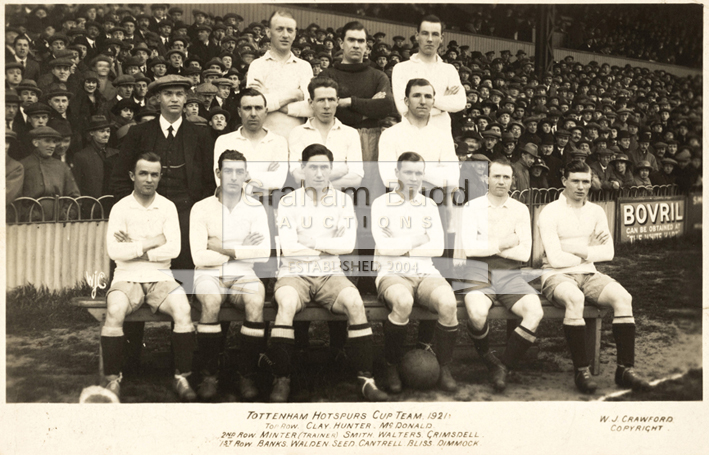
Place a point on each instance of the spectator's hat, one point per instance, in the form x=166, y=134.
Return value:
x=155, y=6
x=380, y=35
x=563, y=133
x=172, y=80
x=58, y=90
x=206, y=89
x=538, y=162
x=217, y=110
x=683, y=156
x=547, y=139
x=37, y=108
x=491, y=134
x=530, y=148
x=622, y=134
x=98, y=122
x=175, y=9
x=643, y=165
x=593, y=125
x=117, y=29
x=192, y=98
x=497, y=92
x=11, y=97
x=398, y=38
x=44, y=132
x=140, y=77
x=190, y=70
x=61, y=62
x=196, y=12
x=29, y=84
x=175, y=51
x=578, y=152
x=203, y=27
x=230, y=38
x=471, y=135
x=521, y=52
x=604, y=151
x=197, y=120
x=461, y=148
x=125, y=103
x=621, y=157
x=233, y=15
x=157, y=61
x=507, y=138
x=183, y=39
x=124, y=79
x=57, y=37
x=10, y=135
x=207, y=73
x=659, y=145
x=215, y=61
x=479, y=157
x=221, y=81
x=12, y=65
x=645, y=137
x=668, y=161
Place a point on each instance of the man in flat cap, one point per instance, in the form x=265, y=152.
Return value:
x=186, y=156
x=46, y=176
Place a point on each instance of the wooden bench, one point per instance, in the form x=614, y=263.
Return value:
x=376, y=312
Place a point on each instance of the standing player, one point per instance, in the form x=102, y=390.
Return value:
x=427, y=64
x=228, y=233
x=407, y=230
x=575, y=234
x=499, y=242
x=281, y=76
x=143, y=235
x=316, y=224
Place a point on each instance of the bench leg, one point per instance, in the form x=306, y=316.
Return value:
x=100, y=350
x=593, y=344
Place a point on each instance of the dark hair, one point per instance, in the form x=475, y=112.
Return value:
x=576, y=166
x=252, y=92
x=419, y=82
x=147, y=156
x=409, y=156
x=314, y=150
x=19, y=37
x=354, y=25
x=430, y=18
x=501, y=162
x=318, y=82
x=282, y=13
x=232, y=155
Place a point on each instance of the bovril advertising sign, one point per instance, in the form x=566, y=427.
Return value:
x=651, y=218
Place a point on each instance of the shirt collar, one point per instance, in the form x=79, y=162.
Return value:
x=416, y=58
x=309, y=124
x=267, y=138
x=270, y=56
x=505, y=204
x=135, y=204
x=164, y=124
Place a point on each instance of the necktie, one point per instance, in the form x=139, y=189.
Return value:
x=170, y=135
x=170, y=142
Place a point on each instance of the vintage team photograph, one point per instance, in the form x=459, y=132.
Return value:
x=353, y=203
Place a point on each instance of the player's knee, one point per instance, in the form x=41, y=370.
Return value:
x=116, y=309
x=532, y=312
x=623, y=303
x=402, y=304
x=210, y=303
x=477, y=306
x=448, y=312
x=253, y=308
x=354, y=306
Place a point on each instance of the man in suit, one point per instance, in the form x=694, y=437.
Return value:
x=186, y=155
x=22, y=56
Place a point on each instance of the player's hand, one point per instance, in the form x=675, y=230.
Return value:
x=253, y=239
x=122, y=237
x=379, y=96
x=157, y=241
x=273, y=166
x=344, y=102
x=616, y=185
x=387, y=232
x=258, y=85
x=600, y=238
x=215, y=244
x=510, y=241
x=451, y=90
x=283, y=109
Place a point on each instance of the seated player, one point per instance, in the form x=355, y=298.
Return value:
x=228, y=234
x=499, y=241
x=143, y=235
x=575, y=235
x=407, y=231
x=316, y=223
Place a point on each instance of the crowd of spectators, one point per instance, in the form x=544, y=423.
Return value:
x=657, y=32
x=78, y=77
